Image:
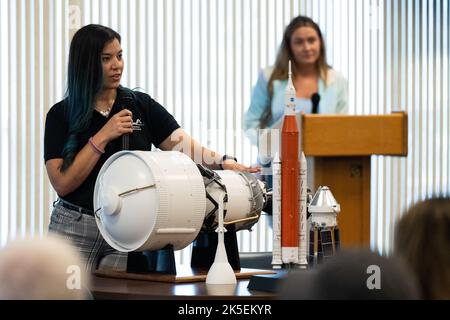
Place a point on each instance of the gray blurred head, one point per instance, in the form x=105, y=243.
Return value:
x=357, y=274
x=35, y=269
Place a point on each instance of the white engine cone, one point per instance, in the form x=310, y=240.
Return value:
x=221, y=271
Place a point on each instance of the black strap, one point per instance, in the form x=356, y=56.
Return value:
x=226, y=157
x=74, y=207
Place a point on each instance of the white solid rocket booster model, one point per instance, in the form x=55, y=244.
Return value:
x=303, y=238
x=276, y=212
x=289, y=191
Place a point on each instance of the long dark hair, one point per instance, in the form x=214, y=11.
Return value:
x=281, y=67
x=84, y=82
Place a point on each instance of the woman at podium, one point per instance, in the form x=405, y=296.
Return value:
x=319, y=88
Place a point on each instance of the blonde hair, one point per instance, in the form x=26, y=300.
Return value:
x=40, y=269
x=281, y=68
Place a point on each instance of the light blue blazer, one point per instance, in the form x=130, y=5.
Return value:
x=333, y=100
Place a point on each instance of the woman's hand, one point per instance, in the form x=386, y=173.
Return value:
x=230, y=164
x=121, y=123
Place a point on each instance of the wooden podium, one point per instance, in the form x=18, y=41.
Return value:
x=342, y=147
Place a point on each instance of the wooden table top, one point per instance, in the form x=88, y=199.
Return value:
x=110, y=288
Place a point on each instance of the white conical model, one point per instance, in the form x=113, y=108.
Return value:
x=221, y=271
x=290, y=95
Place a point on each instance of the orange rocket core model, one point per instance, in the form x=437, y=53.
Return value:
x=289, y=190
x=290, y=186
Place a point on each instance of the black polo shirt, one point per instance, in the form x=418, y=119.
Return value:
x=151, y=122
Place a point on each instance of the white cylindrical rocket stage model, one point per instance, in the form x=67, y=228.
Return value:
x=291, y=212
x=148, y=200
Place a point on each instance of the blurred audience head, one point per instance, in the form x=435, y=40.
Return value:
x=422, y=238
x=41, y=269
x=356, y=274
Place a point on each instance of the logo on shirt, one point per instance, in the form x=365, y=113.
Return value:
x=137, y=125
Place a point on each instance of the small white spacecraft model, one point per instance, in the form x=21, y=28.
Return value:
x=324, y=232
x=289, y=190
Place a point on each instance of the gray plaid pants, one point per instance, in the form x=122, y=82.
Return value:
x=81, y=230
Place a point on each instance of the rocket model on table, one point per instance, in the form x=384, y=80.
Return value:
x=289, y=191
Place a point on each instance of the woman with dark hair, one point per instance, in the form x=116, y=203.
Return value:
x=85, y=129
x=303, y=45
x=422, y=239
